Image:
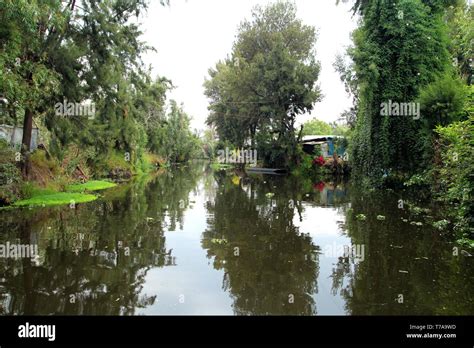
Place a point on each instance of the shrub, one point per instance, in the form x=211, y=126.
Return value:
x=456, y=172
x=10, y=175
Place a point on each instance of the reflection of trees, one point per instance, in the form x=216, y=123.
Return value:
x=435, y=282
x=99, y=252
x=271, y=265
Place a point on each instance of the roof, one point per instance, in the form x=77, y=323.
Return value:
x=319, y=138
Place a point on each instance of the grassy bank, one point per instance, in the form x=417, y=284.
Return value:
x=73, y=194
x=94, y=185
x=58, y=198
x=52, y=181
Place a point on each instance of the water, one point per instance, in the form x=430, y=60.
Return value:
x=194, y=241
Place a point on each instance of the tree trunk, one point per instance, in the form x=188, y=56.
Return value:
x=27, y=129
x=26, y=141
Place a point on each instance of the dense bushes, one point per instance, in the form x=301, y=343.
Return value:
x=10, y=175
x=456, y=174
x=414, y=52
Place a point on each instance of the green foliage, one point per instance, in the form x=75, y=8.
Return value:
x=10, y=176
x=85, y=52
x=269, y=79
x=418, y=179
x=33, y=195
x=306, y=167
x=40, y=160
x=461, y=32
x=112, y=161
x=441, y=224
x=456, y=178
x=25, y=77
x=220, y=166
x=29, y=189
x=361, y=217
x=399, y=48
x=442, y=101
x=316, y=127
x=59, y=198
x=94, y=185
x=396, y=59
x=209, y=143
x=173, y=139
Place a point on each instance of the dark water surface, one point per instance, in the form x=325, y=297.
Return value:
x=195, y=241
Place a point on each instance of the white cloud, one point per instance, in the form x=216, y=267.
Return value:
x=191, y=36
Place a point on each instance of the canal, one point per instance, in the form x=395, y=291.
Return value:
x=191, y=240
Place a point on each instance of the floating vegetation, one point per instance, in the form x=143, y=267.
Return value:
x=59, y=198
x=361, y=217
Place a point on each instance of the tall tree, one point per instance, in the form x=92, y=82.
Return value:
x=28, y=31
x=400, y=47
x=80, y=51
x=268, y=80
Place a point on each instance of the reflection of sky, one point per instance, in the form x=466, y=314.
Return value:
x=321, y=224
x=196, y=279
x=194, y=276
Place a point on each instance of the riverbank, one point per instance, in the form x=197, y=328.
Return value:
x=50, y=181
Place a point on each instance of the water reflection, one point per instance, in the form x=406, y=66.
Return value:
x=93, y=259
x=409, y=270
x=269, y=264
x=193, y=241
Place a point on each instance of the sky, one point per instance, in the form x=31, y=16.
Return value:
x=190, y=36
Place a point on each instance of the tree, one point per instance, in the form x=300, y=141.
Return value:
x=461, y=33
x=316, y=127
x=28, y=31
x=55, y=50
x=348, y=76
x=81, y=52
x=443, y=100
x=173, y=139
x=270, y=78
x=399, y=48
